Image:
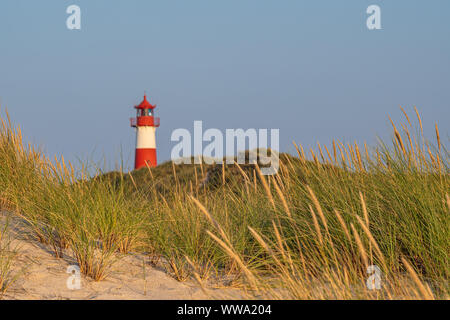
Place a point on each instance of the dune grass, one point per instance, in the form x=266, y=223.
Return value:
x=309, y=232
x=7, y=256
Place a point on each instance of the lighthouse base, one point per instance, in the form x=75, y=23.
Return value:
x=145, y=157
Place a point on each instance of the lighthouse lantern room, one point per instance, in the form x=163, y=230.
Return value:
x=145, y=124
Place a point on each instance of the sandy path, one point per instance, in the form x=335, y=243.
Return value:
x=42, y=276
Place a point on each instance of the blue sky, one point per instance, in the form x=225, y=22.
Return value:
x=310, y=68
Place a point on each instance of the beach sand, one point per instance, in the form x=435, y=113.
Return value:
x=42, y=276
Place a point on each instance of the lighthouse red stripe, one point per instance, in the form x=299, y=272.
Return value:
x=144, y=156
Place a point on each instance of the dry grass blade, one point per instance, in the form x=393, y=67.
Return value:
x=319, y=208
x=372, y=240
x=438, y=137
x=420, y=120
x=282, y=198
x=316, y=225
x=196, y=275
x=364, y=208
x=242, y=171
x=211, y=219
x=406, y=116
x=343, y=225
x=265, y=185
x=132, y=180
x=249, y=275
x=223, y=173
x=301, y=154
x=361, y=248
x=261, y=241
x=423, y=288
x=280, y=243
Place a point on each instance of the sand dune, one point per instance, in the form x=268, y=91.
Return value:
x=42, y=276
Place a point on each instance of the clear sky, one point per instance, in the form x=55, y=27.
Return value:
x=310, y=68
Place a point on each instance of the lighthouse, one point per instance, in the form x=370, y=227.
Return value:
x=145, y=123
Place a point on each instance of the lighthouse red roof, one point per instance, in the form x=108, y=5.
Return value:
x=145, y=104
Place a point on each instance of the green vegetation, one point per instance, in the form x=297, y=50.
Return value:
x=7, y=255
x=308, y=232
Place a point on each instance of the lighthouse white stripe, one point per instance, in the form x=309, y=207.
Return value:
x=145, y=138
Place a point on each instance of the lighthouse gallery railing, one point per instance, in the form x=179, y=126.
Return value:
x=144, y=121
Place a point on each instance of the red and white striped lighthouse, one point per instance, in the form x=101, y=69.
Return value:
x=145, y=124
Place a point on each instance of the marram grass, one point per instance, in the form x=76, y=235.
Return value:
x=309, y=232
